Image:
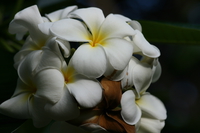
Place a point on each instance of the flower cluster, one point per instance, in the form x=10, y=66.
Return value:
x=80, y=68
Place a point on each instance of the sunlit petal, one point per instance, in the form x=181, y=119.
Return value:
x=89, y=61
x=87, y=92
x=152, y=106
x=118, y=52
x=93, y=17
x=122, y=17
x=113, y=26
x=138, y=75
x=142, y=77
x=135, y=25
x=130, y=111
x=45, y=27
x=71, y=30
x=146, y=48
x=65, y=109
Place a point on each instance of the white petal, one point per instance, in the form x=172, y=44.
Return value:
x=122, y=17
x=54, y=16
x=60, y=14
x=51, y=57
x=150, y=126
x=135, y=25
x=27, y=66
x=67, y=11
x=152, y=106
x=28, y=47
x=16, y=107
x=130, y=113
x=37, y=112
x=17, y=29
x=23, y=88
x=50, y=83
x=146, y=48
x=64, y=127
x=93, y=17
x=115, y=75
x=65, y=46
x=87, y=92
x=71, y=30
x=139, y=74
x=115, y=27
x=127, y=80
x=118, y=51
x=29, y=18
x=45, y=27
x=89, y=61
x=65, y=109
x=157, y=70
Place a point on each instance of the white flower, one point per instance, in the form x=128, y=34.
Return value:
x=153, y=114
x=102, y=37
x=41, y=89
x=147, y=113
x=29, y=20
x=24, y=104
x=130, y=112
x=140, y=74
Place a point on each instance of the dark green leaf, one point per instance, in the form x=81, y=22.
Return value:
x=163, y=33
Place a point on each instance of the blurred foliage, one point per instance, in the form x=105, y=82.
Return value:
x=156, y=32
x=162, y=33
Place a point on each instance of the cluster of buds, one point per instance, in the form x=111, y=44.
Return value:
x=85, y=72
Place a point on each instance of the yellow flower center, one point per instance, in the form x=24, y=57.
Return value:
x=69, y=75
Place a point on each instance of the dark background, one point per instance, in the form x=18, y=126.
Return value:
x=178, y=86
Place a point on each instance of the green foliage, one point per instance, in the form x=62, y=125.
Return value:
x=162, y=33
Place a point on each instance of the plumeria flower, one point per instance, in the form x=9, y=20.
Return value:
x=148, y=57
x=153, y=114
x=140, y=75
x=48, y=78
x=28, y=20
x=24, y=104
x=102, y=40
x=153, y=111
x=39, y=88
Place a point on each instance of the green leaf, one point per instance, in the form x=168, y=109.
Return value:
x=156, y=32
